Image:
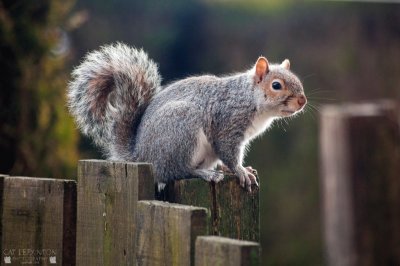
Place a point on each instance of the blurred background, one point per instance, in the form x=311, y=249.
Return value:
x=342, y=51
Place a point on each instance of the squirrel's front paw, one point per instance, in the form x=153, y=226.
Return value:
x=247, y=177
x=251, y=170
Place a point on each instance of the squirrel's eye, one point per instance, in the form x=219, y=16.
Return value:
x=276, y=85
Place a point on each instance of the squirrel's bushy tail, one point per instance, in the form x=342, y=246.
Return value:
x=108, y=94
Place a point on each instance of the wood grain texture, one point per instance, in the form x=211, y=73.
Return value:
x=360, y=156
x=166, y=233
x=108, y=193
x=38, y=220
x=233, y=212
x=222, y=251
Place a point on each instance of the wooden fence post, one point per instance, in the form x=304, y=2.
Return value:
x=234, y=211
x=108, y=193
x=360, y=156
x=38, y=221
x=166, y=232
x=222, y=251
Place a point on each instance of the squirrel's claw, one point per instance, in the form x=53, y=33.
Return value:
x=248, y=178
x=251, y=170
x=252, y=175
x=251, y=178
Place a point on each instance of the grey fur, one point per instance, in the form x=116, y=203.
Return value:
x=108, y=94
x=184, y=129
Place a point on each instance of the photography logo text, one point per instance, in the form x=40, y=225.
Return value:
x=18, y=256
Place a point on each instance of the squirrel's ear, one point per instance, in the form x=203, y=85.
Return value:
x=261, y=68
x=286, y=64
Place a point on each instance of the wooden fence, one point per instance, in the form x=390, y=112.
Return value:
x=360, y=156
x=110, y=216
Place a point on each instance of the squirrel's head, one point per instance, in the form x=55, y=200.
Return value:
x=283, y=91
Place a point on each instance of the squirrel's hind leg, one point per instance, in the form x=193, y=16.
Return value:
x=208, y=175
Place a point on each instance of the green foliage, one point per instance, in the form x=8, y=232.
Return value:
x=37, y=136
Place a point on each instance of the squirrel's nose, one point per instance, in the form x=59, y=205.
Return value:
x=301, y=100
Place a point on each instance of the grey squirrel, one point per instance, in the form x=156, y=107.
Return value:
x=187, y=127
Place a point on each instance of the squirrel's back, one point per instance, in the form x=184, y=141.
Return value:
x=108, y=94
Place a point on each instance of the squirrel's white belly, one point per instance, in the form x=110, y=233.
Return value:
x=259, y=124
x=204, y=156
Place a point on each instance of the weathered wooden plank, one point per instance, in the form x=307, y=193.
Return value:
x=38, y=220
x=237, y=213
x=166, y=233
x=360, y=156
x=221, y=251
x=69, y=223
x=234, y=212
x=107, y=202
